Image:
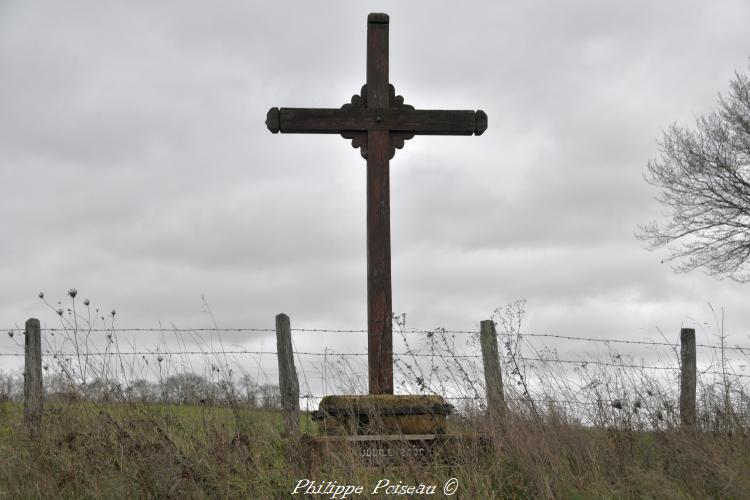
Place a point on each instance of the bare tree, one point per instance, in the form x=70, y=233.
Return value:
x=142, y=391
x=11, y=386
x=249, y=389
x=186, y=388
x=270, y=397
x=704, y=181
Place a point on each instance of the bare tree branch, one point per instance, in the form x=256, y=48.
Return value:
x=703, y=176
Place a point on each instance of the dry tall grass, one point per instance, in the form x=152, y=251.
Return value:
x=133, y=451
x=607, y=432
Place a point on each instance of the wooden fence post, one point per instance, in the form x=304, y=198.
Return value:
x=493, y=376
x=687, y=378
x=288, y=383
x=32, y=374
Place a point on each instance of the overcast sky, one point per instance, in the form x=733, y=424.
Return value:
x=136, y=166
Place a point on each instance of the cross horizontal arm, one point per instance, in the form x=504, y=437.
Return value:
x=414, y=121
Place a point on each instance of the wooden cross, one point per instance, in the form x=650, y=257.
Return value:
x=378, y=122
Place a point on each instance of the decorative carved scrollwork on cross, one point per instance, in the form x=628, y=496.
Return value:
x=397, y=138
x=359, y=139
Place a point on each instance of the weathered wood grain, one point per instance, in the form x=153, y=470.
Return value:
x=414, y=121
x=493, y=375
x=288, y=382
x=33, y=392
x=687, y=378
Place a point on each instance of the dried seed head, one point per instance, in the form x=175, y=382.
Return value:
x=59, y=311
x=113, y=312
x=159, y=358
x=41, y=295
x=10, y=333
x=72, y=292
x=617, y=404
x=86, y=302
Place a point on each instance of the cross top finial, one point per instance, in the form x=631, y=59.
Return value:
x=377, y=18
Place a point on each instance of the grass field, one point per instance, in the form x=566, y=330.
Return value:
x=87, y=450
x=599, y=429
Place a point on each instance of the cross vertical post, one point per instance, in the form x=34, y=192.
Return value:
x=377, y=121
x=379, y=301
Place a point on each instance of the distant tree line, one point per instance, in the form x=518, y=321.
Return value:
x=181, y=388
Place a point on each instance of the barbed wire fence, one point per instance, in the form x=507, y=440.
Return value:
x=614, y=377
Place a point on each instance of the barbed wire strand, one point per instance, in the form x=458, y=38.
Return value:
x=410, y=331
x=583, y=363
